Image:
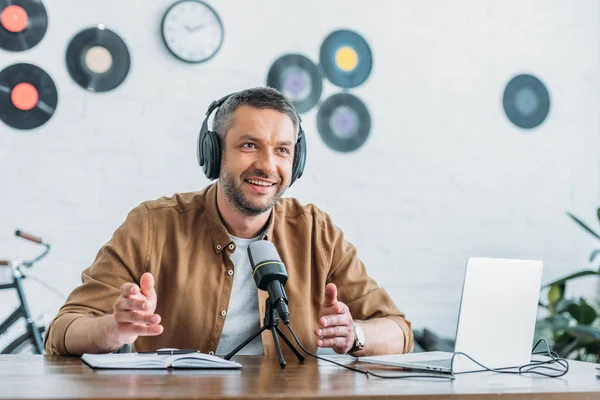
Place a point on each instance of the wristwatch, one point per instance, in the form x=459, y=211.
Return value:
x=359, y=338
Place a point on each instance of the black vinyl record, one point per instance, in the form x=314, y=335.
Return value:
x=98, y=59
x=346, y=58
x=28, y=96
x=526, y=101
x=298, y=78
x=344, y=122
x=23, y=24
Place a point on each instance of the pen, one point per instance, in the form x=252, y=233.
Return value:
x=169, y=352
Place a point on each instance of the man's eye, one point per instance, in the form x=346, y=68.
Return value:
x=249, y=145
x=284, y=150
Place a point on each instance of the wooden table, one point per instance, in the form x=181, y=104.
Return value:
x=36, y=377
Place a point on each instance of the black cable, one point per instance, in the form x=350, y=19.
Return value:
x=528, y=368
x=524, y=369
x=321, y=358
x=367, y=372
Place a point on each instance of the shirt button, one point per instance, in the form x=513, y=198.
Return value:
x=223, y=313
x=211, y=353
x=230, y=272
x=231, y=247
x=218, y=247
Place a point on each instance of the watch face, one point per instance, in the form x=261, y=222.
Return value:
x=360, y=335
x=192, y=31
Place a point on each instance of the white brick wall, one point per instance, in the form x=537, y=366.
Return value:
x=444, y=175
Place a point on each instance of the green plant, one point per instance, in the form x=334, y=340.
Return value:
x=572, y=326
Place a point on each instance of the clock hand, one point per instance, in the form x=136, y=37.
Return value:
x=195, y=28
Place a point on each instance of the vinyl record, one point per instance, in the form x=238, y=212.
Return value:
x=298, y=78
x=23, y=24
x=526, y=101
x=346, y=59
x=98, y=59
x=28, y=96
x=344, y=122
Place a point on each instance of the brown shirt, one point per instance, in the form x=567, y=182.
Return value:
x=182, y=241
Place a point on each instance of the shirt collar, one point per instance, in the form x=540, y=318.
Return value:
x=220, y=236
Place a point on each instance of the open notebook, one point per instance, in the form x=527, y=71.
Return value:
x=193, y=360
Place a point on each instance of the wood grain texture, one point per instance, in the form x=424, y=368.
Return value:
x=37, y=377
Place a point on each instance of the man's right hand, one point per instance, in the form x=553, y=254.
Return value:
x=134, y=312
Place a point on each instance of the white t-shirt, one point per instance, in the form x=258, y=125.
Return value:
x=243, y=316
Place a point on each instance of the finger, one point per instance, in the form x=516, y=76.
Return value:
x=334, y=320
x=338, y=344
x=136, y=317
x=132, y=304
x=140, y=329
x=335, y=331
x=330, y=295
x=337, y=308
x=129, y=289
x=147, y=285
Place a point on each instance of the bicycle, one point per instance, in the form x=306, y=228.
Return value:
x=33, y=338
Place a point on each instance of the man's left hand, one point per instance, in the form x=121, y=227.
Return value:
x=335, y=328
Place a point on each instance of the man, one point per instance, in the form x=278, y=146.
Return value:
x=176, y=273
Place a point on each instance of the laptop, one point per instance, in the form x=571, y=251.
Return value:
x=496, y=320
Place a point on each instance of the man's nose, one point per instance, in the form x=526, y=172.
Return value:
x=266, y=162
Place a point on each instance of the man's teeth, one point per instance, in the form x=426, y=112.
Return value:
x=259, y=183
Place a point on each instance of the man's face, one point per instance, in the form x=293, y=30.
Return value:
x=258, y=153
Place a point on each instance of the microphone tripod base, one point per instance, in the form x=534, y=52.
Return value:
x=270, y=322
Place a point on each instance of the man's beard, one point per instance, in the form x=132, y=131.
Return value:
x=236, y=196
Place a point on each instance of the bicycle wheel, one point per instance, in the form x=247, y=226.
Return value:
x=24, y=344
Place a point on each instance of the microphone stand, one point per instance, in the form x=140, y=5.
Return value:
x=270, y=322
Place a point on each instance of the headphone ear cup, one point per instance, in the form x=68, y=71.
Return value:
x=299, y=158
x=200, y=148
x=211, y=155
x=217, y=153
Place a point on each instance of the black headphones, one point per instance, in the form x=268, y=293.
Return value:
x=209, y=147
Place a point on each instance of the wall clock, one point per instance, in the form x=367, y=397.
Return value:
x=192, y=31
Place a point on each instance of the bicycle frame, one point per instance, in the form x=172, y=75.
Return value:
x=22, y=311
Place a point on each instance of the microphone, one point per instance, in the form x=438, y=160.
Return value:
x=269, y=274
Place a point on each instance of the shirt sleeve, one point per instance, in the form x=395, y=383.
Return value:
x=122, y=259
x=360, y=292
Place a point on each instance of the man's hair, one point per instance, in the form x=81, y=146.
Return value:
x=258, y=97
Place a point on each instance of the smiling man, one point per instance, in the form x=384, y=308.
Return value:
x=176, y=273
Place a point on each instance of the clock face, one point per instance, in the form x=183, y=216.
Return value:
x=192, y=31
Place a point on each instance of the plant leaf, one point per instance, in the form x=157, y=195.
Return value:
x=575, y=310
x=592, y=348
x=572, y=276
x=568, y=348
x=564, y=344
x=555, y=294
x=587, y=313
x=584, y=332
x=598, y=213
x=583, y=225
x=556, y=323
x=594, y=255
x=562, y=305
